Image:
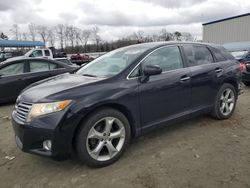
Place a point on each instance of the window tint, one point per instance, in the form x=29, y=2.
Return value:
x=37, y=53
x=52, y=66
x=218, y=55
x=168, y=58
x=47, y=53
x=17, y=68
x=37, y=66
x=135, y=73
x=226, y=53
x=197, y=55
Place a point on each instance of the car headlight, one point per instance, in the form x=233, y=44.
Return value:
x=46, y=108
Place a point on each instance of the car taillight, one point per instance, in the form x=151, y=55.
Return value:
x=242, y=67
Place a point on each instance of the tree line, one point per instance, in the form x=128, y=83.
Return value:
x=72, y=39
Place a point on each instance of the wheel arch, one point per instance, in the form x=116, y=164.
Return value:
x=118, y=107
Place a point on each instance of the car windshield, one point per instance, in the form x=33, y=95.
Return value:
x=239, y=54
x=113, y=62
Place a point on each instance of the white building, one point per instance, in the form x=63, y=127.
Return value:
x=233, y=29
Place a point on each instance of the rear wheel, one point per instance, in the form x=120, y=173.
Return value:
x=225, y=102
x=103, y=138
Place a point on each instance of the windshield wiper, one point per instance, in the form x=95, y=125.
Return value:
x=89, y=75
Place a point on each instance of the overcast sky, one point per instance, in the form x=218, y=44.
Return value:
x=118, y=18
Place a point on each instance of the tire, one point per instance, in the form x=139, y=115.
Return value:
x=224, y=106
x=247, y=83
x=103, y=138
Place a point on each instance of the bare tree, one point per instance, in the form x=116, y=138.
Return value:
x=51, y=36
x=60, y=30
x=15, y=31
x=185, y=36
x=177, y=35
x=165, y=36
x=84, y=38
x=24, y=36
x=43, y=32
x=32, y=31
x=77, y=32
x=70, y=34
x=96, y=36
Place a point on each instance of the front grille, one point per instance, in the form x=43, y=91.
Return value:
x=22, y=110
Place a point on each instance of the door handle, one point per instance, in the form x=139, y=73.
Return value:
x=185, y=78
x=218, y=70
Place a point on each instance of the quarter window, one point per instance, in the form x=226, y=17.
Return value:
x=197, y=55
x=168, y=58
x=13, y=69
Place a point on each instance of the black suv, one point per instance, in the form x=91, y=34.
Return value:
x=123, y=94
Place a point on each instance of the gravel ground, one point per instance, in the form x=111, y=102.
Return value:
x=201, y=152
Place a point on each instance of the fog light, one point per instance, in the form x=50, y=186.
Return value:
x=47, y=144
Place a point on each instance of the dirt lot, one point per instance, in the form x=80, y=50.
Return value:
x=197, y=153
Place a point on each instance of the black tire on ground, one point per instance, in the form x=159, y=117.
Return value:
x=247, y=83
x=81, y=140
x=216, y=113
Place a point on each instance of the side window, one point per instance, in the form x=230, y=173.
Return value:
x=135, y=73
x=197, y=55
x=38, y=66
x=46, y=52
x=13, y=69
x=218, y=55
x=37, y=53
x=168, y=58
x=53, y=66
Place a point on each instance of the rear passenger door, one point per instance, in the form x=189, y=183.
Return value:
x=205, y=75
x=38, y=69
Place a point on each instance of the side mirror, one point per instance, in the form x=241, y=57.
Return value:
x=151, y=70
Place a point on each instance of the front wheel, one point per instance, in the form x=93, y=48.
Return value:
x=225, y=102
x=103, y=138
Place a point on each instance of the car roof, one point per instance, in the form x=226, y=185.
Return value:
x=164, y=43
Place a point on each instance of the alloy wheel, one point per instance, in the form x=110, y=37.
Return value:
x=227, y=101
x=105, y=139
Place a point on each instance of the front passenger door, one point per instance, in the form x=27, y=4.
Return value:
x=165, y=96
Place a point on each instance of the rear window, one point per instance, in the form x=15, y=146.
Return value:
x=226, y=54
x=197, y=55
x=218, y=55
x=47, y=53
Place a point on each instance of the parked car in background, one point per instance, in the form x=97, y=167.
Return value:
x=64, y=60
x=80, y=59
x=18, y=73
x=241, y=52
x=5, y=55
x=40, y=53
x=122, y=94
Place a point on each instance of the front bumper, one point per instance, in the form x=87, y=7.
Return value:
x=58, y=127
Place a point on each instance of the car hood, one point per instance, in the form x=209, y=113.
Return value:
x=38, y=91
